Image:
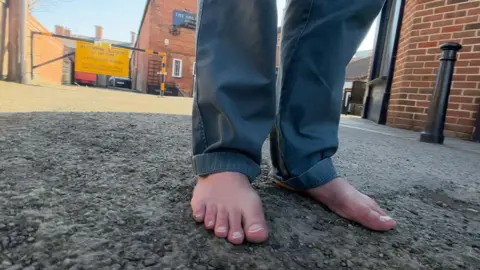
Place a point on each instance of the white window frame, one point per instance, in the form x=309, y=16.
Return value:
x=175, y=61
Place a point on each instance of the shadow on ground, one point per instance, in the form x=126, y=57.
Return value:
x=111, y=191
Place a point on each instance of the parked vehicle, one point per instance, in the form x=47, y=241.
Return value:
x=84, y=78
x=120, y=82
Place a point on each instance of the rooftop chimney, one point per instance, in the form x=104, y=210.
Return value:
x=98, y=32
x=67, y=32
x=132, y=37
x=59, y=30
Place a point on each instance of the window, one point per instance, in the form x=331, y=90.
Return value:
x=177, y=68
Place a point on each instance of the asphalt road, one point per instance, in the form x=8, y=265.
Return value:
x=111, y=191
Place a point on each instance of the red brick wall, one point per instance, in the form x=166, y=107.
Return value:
x=180, y=47
x=426, y=25
x=139, y=71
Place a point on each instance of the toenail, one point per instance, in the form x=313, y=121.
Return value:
x=210, y=223
x=222, y=229
x=255, y=228
x=198, y=216
x=385, y=218
x=237, y=235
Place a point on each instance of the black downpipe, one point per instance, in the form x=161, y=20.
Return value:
x=386, y=98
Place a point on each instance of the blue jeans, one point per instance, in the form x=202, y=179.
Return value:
x=239, y=99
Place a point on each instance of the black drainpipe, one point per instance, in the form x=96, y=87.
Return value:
x=386, y=98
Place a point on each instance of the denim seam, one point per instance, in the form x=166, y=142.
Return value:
x=288, y=63
x=202, y=126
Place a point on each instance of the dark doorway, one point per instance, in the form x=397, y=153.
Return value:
x=378, y=89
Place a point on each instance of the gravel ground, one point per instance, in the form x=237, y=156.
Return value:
x=111, y=191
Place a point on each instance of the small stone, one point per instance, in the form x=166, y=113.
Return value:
x=3, y=226
x=31, y=267
x=116, y=267
x=349, y=263
x=15, y=267
x=11, y=224
x=319, y=264
x=152, y=260
x=30, y=239
x=199, y=267
x=6, y=263
x=343, y=264
x=468, y=209
x=121, y=222
x=310, y=246
x=30, y=229
x=250, y=249
x=5, y=241
x=414, y=212
x=381, y=255
x=444, y=205
x=171, y=199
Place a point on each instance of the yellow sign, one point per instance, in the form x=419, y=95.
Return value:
x=100, y=59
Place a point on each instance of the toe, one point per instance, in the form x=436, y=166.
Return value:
x=254, y=223
x=210, y=216
x=198, y=210
x=380, y=210
x=377, y=221
x=221, y=224
x=235, y=234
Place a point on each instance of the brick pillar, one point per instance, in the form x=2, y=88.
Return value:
x=59, y=30
x=98, y=32
x=132, y=37
x=426, y=25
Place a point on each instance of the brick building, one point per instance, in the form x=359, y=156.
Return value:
x=167, y=26
x=44, y=49
x=407, y=57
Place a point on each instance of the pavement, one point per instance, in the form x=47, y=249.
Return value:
x=110, y=190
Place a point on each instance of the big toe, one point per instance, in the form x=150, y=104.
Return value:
x=374, y=220
x=255, y=226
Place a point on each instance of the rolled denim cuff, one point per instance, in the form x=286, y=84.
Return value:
x=318, y=175
x=206, y=164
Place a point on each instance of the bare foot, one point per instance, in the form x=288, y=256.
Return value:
x=226, y=203
x=343, y=199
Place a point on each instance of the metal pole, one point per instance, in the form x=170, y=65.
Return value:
x=12, y=47
x=437, y=111
x=32, y=36
x=22, y=51
x=476, y=135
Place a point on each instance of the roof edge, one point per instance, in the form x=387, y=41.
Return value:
x=141, y=23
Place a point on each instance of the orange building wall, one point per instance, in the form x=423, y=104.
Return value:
x=45, y=48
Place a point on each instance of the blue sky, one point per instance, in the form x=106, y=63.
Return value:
x=118, y=17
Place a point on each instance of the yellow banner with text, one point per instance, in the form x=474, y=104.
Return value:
x=102, y=59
